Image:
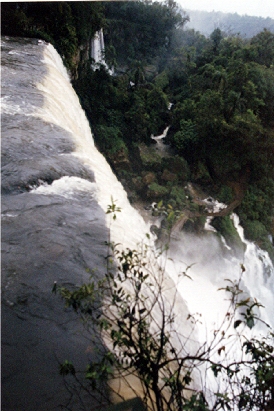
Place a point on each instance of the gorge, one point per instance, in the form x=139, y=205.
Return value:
x=56, y=188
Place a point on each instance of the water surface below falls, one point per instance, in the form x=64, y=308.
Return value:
x=56, y=187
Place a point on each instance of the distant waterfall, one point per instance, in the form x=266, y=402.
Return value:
x=98, y=47
x=97, y=50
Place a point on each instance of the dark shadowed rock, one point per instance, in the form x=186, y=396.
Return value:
x=53, y=229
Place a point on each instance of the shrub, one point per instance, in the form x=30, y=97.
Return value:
x=177, y=194
x=254, y=230
x=156, y=191
x=110, y=139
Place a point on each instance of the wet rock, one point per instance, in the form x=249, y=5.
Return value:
x=52, y=230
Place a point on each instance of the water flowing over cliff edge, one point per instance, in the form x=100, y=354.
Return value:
x=56, y=187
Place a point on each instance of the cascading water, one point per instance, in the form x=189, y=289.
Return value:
x=56, y=189
x=98, y=47
x=131, y=228
x=97, y=50
x=211, y=267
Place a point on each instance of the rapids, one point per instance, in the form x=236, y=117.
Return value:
x=56, y=188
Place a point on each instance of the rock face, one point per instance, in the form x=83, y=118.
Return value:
x=53, y=229
x=43, y=240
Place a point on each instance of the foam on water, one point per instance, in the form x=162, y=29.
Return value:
x=62, y=108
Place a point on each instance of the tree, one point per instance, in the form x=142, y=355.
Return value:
x=216, y=37
x=139, y=324
x=263, y=44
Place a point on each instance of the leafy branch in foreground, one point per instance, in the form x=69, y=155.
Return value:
x=150, y=344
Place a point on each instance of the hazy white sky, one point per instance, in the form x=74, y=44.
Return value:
x=263, y=8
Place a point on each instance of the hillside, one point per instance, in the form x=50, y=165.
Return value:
x=231, y=23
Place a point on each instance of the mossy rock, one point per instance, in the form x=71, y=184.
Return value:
x=150, y=160
x=255, y=231
x=177, y=197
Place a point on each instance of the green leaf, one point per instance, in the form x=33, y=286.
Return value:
x=250, y=322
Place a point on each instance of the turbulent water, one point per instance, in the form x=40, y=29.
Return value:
x=56, y=187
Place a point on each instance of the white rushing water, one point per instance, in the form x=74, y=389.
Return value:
x=62, y=108
x=210, y=271
x=98, y=51
x=98, y=47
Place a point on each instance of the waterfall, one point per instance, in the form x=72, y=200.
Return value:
x=211, y=267
x=97, y=50
x=98, y=47
x=56, y=189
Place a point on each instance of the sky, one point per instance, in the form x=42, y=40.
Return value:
x=260, y=8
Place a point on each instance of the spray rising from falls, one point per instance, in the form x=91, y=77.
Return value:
x=212, y=262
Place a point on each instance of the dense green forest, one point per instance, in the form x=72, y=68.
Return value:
x=221, y=89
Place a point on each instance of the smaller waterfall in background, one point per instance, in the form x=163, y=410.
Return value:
x=97, y=50
x=211, y=264
x=98, y=47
